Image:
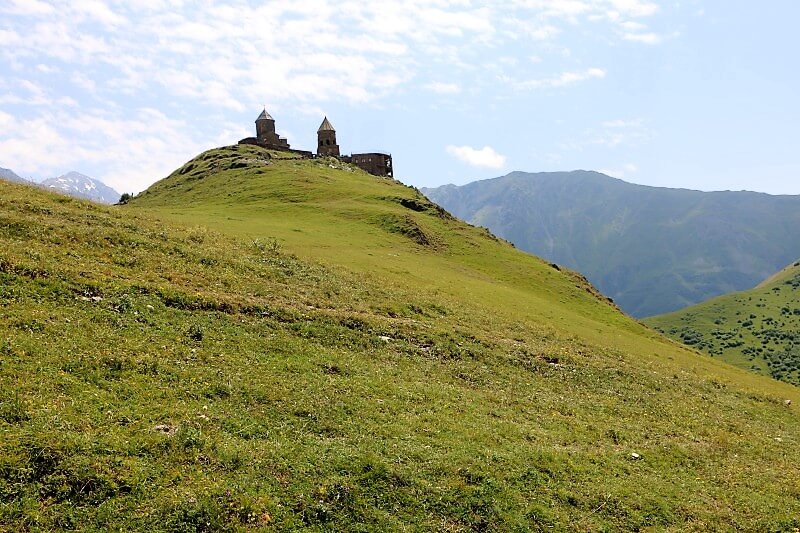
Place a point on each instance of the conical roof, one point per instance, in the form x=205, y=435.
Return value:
x=264, y=115
x=326, y=126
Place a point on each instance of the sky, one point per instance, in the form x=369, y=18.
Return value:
x=692, y=93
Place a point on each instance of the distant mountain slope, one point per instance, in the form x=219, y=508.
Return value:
x=757, y=329
x=653, y=250
x=9, y=175
x=82, y=186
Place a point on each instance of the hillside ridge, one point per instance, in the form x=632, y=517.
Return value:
x=758, y=329
x=264, y=342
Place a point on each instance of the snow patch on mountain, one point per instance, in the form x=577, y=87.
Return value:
x=82, y=186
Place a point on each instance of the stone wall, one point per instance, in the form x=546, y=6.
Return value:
x=284, y=147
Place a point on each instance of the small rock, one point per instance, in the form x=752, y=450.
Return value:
x=778, y=439
x=166, y=429
x=97, y=299
x=787, y=403
x=384, y=338
x=150, y=307
x=635, y=456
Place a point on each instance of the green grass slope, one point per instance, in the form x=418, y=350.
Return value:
x=653, y=250
x=757, y=329
x=268, y=344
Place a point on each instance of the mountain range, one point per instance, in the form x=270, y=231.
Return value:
x=73, y=184
x=264, y=342
x=653, y=250
x=9, y=175
x=82, y=186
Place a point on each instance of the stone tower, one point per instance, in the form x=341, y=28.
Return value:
x=265, y=127
x=326, y=139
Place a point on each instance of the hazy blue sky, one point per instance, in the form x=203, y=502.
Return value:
x=699, y=94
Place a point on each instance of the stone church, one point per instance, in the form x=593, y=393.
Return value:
x=376, y=163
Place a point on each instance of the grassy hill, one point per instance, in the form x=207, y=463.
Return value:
x=757, y=329
x=259, y=343
x=653, y=250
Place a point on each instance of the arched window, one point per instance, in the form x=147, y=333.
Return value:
x=327, y=142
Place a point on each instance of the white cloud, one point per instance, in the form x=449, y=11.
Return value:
x=635, y=8
x=83, y=82
x=572, y=9
x=631, y=25
x=27, y=7
x=134, y=150
x=619, y=123
x=534, y=29
x=8, y=38
x=612, y=134
x=6, y=121
x=645, y=38
x=98, y=11
x=24, y=92
x=562, y=80
x=484, y=157
x=558, y=8
x=443, y=88
x=232, y=55
x=47, y=69
x=539, y=19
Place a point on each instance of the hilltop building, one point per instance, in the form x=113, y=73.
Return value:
x=265, y=131
x=376, y=163
x=326, y=139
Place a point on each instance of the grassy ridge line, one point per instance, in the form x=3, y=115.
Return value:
x=163, y=376
x=757, y=329
x=789, y=272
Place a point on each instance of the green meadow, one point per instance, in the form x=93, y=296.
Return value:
x=263, y=343
x=757, y=329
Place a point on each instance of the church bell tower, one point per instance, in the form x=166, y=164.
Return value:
x=265, y=126
x=326, y=139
